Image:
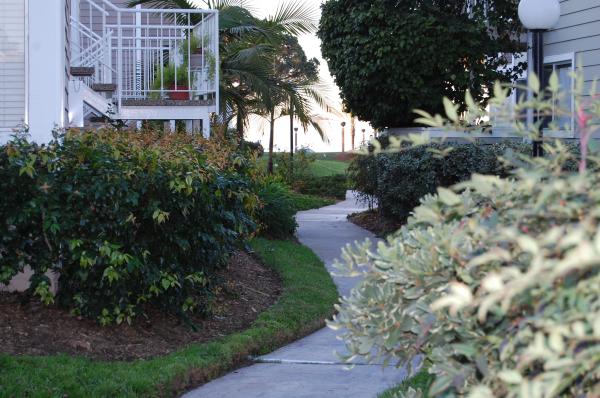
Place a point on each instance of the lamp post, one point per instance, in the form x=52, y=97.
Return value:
x=538, y=16
x=363, y=140
x=296, y=131
x=343, y=137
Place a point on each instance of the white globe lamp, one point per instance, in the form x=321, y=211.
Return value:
x=539, y=14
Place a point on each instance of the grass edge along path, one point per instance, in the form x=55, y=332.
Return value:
x=307, y=300
x=421, y=381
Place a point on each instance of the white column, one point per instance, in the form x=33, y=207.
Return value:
x=189, y=126
x=47, y=63
x=75, y=39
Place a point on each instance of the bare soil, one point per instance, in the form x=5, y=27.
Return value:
x=372, y=221
x=34, y=329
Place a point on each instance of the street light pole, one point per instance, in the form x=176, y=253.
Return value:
x=343, y=137
x=296, y=132
x=539, y=16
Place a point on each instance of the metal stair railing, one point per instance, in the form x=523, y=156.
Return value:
x=148, y=53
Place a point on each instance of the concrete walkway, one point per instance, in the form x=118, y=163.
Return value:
x=309, y=367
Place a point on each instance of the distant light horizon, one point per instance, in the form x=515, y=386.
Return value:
x=259, y=128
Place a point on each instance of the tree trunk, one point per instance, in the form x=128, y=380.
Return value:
x=240, y=126
x=352, y=130
x=271, y=139
x=292, y=140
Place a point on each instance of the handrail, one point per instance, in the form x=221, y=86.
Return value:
x=89, y=33
x=97, y=7
x=134, y=52
x=154, y=10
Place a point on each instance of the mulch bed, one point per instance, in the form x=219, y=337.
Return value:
x=373, y=222
x=34, y=329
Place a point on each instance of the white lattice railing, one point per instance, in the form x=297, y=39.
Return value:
x=148, y=53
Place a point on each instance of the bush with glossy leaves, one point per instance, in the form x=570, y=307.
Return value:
x=126, y=220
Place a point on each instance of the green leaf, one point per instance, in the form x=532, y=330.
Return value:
x=451, y=110
x=448, y=197
x=533, y=82
x=510, y=376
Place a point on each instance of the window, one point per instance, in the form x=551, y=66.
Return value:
x=564, y=102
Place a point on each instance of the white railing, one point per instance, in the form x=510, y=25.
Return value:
x=149, y=54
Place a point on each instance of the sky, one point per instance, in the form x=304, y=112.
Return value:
x=259, y=128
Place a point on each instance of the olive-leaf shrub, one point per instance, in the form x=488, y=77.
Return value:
x=496, y=281
x=517, y=262
x=126, y=221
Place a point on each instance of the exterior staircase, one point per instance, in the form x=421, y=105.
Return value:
x=123, y=61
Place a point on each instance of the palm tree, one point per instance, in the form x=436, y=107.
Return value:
x=248, y=47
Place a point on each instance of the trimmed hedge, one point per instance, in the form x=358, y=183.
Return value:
x=124, y=220
x=334, y=186
x=399, y=180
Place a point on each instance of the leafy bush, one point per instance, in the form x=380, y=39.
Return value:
x=363, y=178
x=277, y=212
x=516, y=261
x=334, y=186
x=496, y=280
x=291, y=170
x=309, y=202
x=397, y=181
x=125, y=220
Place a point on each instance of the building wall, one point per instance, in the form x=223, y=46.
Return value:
x=578, y=33
x=12, y=66
x=47, y=63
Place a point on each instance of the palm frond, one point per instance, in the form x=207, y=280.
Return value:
x=294, y=18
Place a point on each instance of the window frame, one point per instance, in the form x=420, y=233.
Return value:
x=561, y=59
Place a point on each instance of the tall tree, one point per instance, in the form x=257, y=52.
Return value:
x=248, y=48
x=295, y=90
x=392, y=56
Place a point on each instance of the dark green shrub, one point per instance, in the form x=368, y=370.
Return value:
x=276, y=214
x=329, y=186
x=291, y=170
x=123, y=221
x=399, y=180
x=362, y=178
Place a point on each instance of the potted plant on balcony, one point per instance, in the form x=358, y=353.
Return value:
x=174, y=82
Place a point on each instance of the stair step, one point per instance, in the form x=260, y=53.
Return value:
x=99, y=119
x=104, y=87
x=82, y=71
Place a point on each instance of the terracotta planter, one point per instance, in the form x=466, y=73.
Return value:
x=179, y=94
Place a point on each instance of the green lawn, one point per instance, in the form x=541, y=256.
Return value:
x=323, y=168
x=324, y=165
x=308, y=202
x=308, y=298
x=421, y=381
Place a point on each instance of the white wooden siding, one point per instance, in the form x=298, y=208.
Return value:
x=12, y=65
x=578, y=32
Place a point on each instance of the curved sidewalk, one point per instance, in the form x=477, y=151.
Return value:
x=309, y=368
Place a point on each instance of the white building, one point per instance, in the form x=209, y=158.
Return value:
x=65, y=62
x=572, y=45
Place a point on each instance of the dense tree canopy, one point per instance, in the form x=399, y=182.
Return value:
x=391, y=56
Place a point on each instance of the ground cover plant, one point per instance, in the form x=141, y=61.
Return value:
x=307, y=299
x=117, y=217
x=495, y=280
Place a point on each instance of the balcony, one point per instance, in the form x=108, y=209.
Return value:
x=144, y=63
